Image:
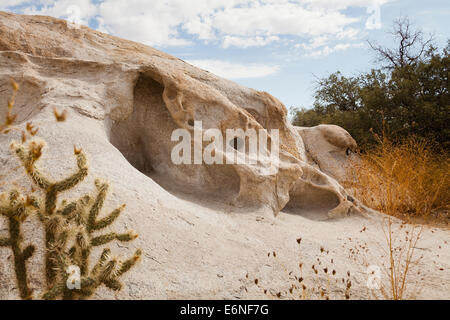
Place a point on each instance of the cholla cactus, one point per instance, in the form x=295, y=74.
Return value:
x=29, y=155
x=75, y=227
x=71, y=231
x=16, y=209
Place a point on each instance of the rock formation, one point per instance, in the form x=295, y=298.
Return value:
x=329, y=148
x=123, y=101
x=141, y=96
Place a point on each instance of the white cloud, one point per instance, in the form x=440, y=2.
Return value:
x=279, y=19
x=246, y=42
x=239, y=23
x=151, y=22
x=327, y=50
x=80, y=11
x=230, y=70
x=314, y=43
x=343, y=4
x=231, y=23
x=10, y=3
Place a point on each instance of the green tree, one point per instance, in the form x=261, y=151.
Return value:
x=407, y=95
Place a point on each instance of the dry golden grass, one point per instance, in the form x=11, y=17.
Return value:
x=409, y=180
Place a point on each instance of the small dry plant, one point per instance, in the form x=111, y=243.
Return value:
x=401, y=261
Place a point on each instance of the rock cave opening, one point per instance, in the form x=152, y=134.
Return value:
x=144, y=138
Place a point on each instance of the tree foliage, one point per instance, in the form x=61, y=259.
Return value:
x=408, y=95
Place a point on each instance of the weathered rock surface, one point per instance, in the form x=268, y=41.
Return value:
x=202, y=228
x=329, y=148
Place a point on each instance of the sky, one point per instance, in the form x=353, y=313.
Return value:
x=279, y=46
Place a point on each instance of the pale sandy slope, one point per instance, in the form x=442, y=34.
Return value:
x=199, y=251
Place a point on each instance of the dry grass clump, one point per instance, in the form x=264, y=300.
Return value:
x=400, y=249
x=394, y=266
x=410, y=180
x=406, y=179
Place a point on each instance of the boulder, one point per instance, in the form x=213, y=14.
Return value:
x=329, y=148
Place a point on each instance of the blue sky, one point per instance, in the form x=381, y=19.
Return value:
x=279, y=46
